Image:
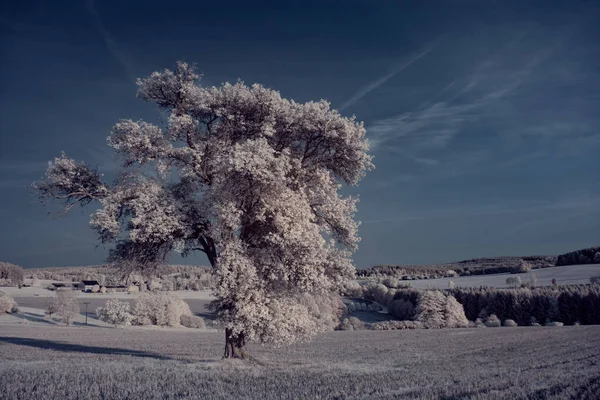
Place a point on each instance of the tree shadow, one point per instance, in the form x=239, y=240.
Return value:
x=77, y=348
x=31, y=317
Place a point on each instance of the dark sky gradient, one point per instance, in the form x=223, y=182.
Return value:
x=484, y=116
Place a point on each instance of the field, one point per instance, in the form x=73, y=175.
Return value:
x=487, y=363
x=565, y=275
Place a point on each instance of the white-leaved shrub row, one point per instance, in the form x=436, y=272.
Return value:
x=150, y=309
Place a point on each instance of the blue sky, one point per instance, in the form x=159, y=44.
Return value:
x=483, y=116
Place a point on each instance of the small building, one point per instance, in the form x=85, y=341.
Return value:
x=86, y=286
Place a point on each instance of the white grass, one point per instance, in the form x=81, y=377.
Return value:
x=517, y=363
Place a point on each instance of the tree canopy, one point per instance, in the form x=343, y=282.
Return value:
x=247, y=177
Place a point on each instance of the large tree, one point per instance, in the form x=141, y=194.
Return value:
x=247, y=177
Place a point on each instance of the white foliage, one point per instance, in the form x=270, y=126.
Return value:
x=159, y=309
x=115, y=312
x=258, y=191
x=64, y=305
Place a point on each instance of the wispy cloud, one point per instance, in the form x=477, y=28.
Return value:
x=435, y=124
x=117, y=51
x=376, y=83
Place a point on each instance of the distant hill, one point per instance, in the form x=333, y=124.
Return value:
x=584, y=256
x=482, y=266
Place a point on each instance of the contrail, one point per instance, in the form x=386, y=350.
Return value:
x=374, y=85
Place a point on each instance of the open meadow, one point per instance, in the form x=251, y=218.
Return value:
x=486, y=363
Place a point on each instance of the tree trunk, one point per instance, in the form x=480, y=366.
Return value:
x=235, y=346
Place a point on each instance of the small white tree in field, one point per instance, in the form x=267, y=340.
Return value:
x=35, y=282
x=451, y=284
x=249, y=178
x=115, y=312
x=7, y=303
x=514, y=281
x=64, y=305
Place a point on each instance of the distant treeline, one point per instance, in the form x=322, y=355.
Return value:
x=585, y=256
x=477, y=266
x=568, y=304
x=170, y=277
x=482, y=266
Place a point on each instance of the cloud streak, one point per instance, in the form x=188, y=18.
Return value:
x=375, y=84
x=123, y=57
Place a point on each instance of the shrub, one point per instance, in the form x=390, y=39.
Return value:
x=492, y=321
x=523, y=267
x=390, y=282
x=402, y=309
x=95, y=288
x=451, y=273
x=595, y=279
x=7, y=304
x=35, y=282
x=479, y=323
x=554, y=323
x=115, y=312
x=454, y=314
x=430, y=309
x=376, y=292
x=533, y=322
x=396, y=325
x=509, y=323
x=159, y=309
x=64, y=305
x=132, y=289
x=513, y=281
x=451, y=284
x=192, y=321
x=11, y=274
x=103, y=289
x=596, y=259
x=533, y=280
x=351, y=324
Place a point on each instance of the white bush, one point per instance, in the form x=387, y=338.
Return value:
x=7, y=304
x=192, y=321
x=513, y=281
x=64, y=305
x=35, y=282
x=391, y=282
x=351, y=324
x=115, y=312
x=159, y=309
x=132, y=289
x=509, y=323
x=95, y=288
x=492, y=321
x=451, y=273
x=454, y=314
x=430, y=309
x=396, y=325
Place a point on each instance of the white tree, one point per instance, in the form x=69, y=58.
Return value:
x=257, y=190
x=64, y=305
x=115, y=312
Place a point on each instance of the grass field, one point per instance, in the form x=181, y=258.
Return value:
x=487, y=363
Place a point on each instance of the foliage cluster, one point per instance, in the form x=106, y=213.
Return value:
x=11, y=274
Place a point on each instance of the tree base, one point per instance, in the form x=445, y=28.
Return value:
x=235, y=346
